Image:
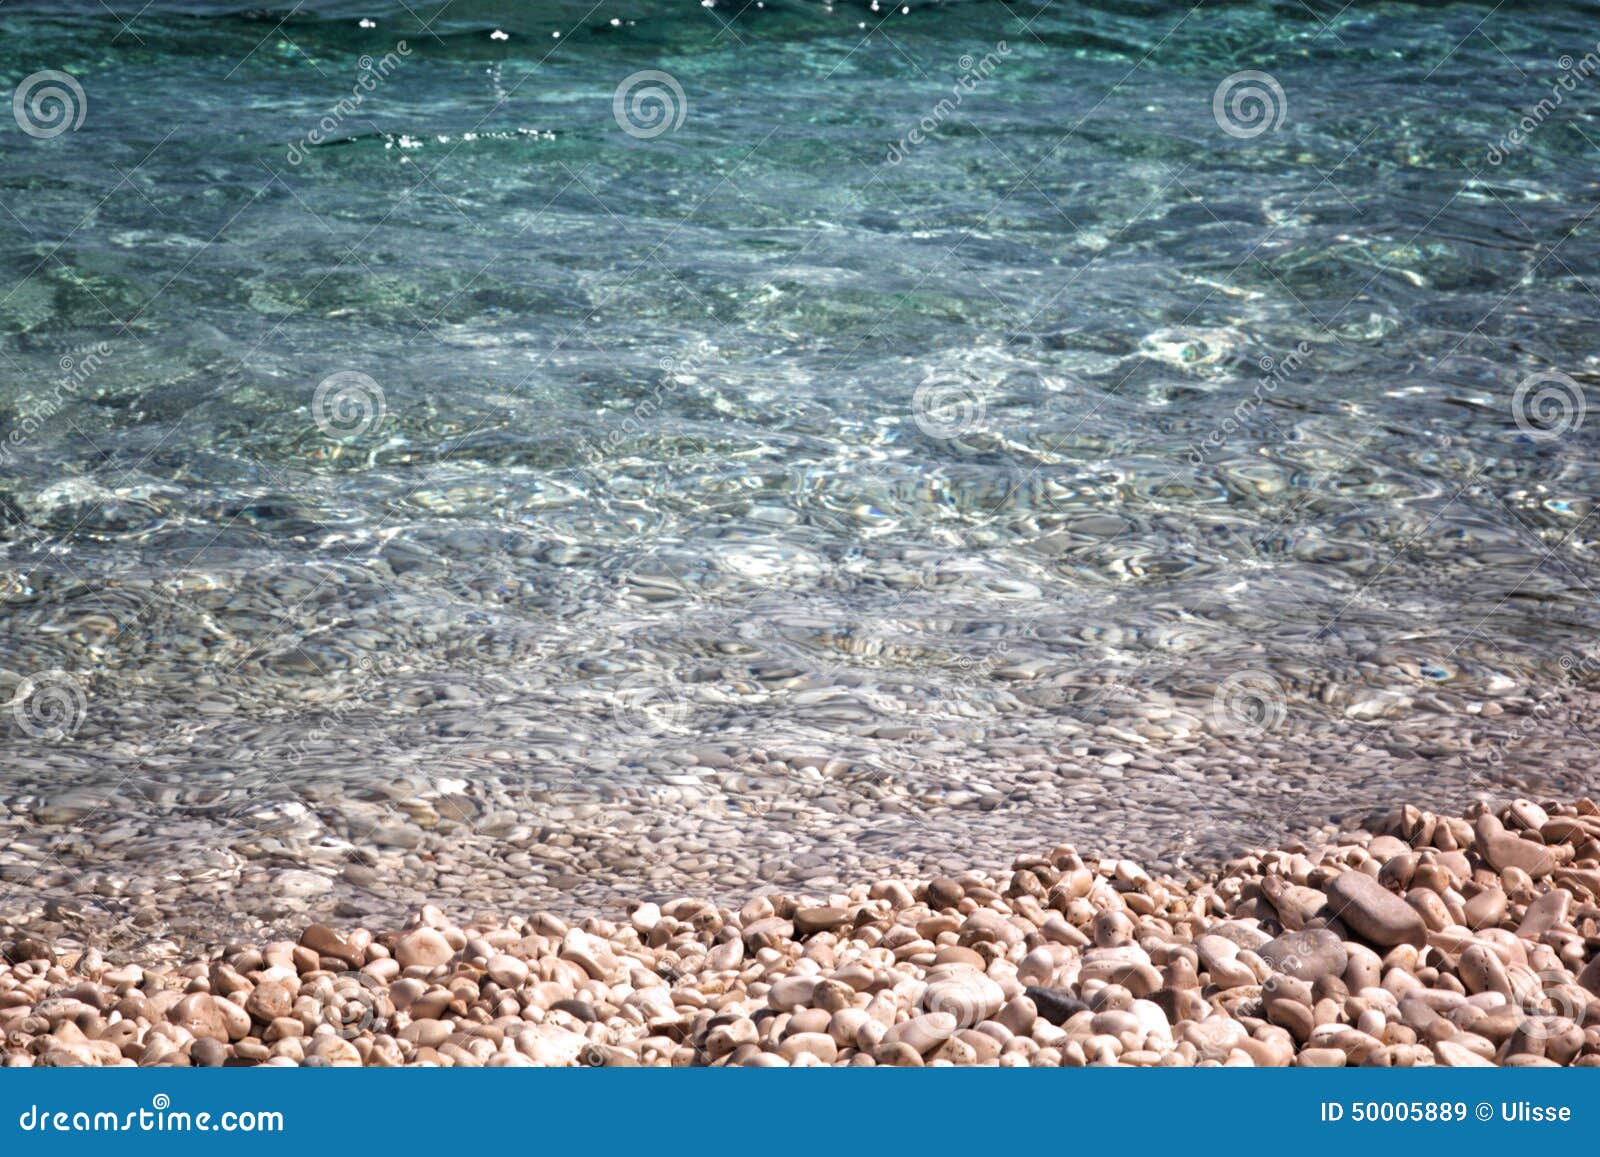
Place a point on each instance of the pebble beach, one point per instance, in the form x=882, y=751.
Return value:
x=1428, y=939
x=684, y=533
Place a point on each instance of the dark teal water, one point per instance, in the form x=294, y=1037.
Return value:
x=895, y=431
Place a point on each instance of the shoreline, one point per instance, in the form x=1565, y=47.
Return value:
x=1424, y=940
x=144, y=874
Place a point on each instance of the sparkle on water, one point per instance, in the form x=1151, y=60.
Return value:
x=894, y=434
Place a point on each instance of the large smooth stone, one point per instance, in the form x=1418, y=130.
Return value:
x=1373, y=912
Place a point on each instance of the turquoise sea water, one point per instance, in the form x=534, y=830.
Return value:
x=850, y=433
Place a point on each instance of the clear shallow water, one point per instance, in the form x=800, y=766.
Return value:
x=777, y=497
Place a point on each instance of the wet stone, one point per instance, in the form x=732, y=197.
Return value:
x=1055, y=1004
